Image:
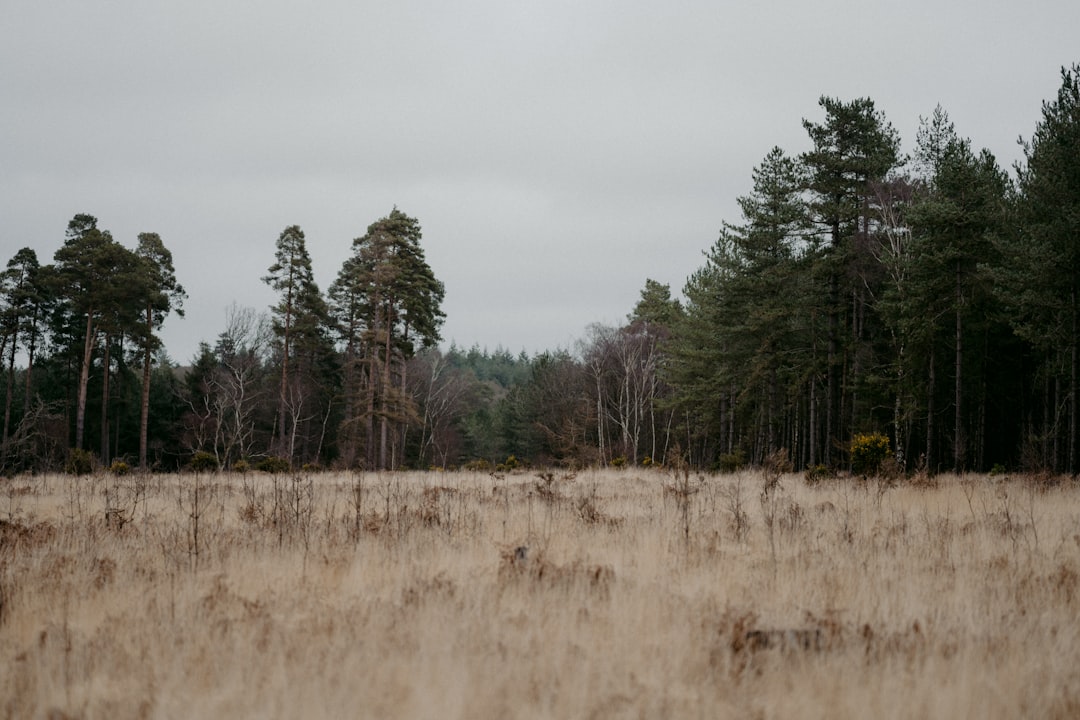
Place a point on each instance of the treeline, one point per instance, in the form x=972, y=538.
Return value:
x=931, y=298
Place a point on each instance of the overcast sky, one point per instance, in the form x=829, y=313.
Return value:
x=556, y=154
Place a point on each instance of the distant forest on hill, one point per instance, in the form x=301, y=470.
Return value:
x=933, y=299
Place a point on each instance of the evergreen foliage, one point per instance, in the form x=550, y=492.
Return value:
x=935, y=299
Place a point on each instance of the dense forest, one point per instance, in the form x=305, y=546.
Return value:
x=932, y=298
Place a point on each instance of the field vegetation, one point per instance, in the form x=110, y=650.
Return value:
x=601, y=594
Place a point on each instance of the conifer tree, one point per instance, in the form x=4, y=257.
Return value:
x=299, y=313
x=164, y=295
x=853, y=147
x=1039, y=276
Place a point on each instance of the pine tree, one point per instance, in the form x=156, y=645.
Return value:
x=98, y=284
x=23, y=298
x=386, y=302
x=164, y=295
x=954, y=223
x=300, y=312
x=1039, y=276
x=852, y=148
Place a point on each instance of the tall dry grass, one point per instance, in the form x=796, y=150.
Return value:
x=608, y=594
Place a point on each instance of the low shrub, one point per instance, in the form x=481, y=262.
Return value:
x=816, y=473
x=273, y=465
x=203, y=461
x=868, y=452
x=119, y=467
x=80, y=462
x=511, y=464
x=732, y=462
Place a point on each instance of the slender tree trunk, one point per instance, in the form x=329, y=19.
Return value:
x=600, y=419
x=723, y=423
x=31, y=347
x=731, y=419
x=1055, y=460
x=105, y=362
x=812, y=435
x=369, y=415
x=384, y=427
x=834, y=385
x=856, y=336
x=10, y=390
x=830, y=390
x=1074, y=371
x=84, y=379
x=322, y=431
x=898, y=406
x=144, y=405
x=373, y=351
x=958, y=430
x=403, y=436
x=930, y=411
x=118, y=413
x=1044, y=436
x=283, y=399
x=348, y=434
x=773, y=412
x=980, y=439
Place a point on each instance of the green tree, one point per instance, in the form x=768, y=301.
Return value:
x=742, y=353
x=98, y=284
x=23, y=299
x=164, y=295
x=1039, y=276
x=852, y=148
x=696, y=368
x=955, y=222
x=300, y=311
x=903, y=312
x=656, y=307
x=765, y=330
x=386, y=302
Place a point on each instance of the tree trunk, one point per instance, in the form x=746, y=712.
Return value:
x=31, y=347
x=958, y=430
x=812, y=434
x=1074, y=370
x=119, y=412
x=84, y=379
x=773, y=412
x=369, y=415
x=284, y=389
x=830, y=389
x=144, y=405
x=930, y=412
x=10, y=389
x=1055, y=460
x=384, y=428
x=283, y=399
x=105, y=403
x=1044, y=436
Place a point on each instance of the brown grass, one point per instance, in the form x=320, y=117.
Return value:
x=595, y=596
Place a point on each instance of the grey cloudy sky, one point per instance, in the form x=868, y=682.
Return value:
x=556, y=153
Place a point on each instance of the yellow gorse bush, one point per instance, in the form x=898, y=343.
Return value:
x=868, y=451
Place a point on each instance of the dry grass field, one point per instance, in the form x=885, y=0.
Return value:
x=607, y=594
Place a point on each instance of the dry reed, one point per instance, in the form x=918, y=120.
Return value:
x=605, y=594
